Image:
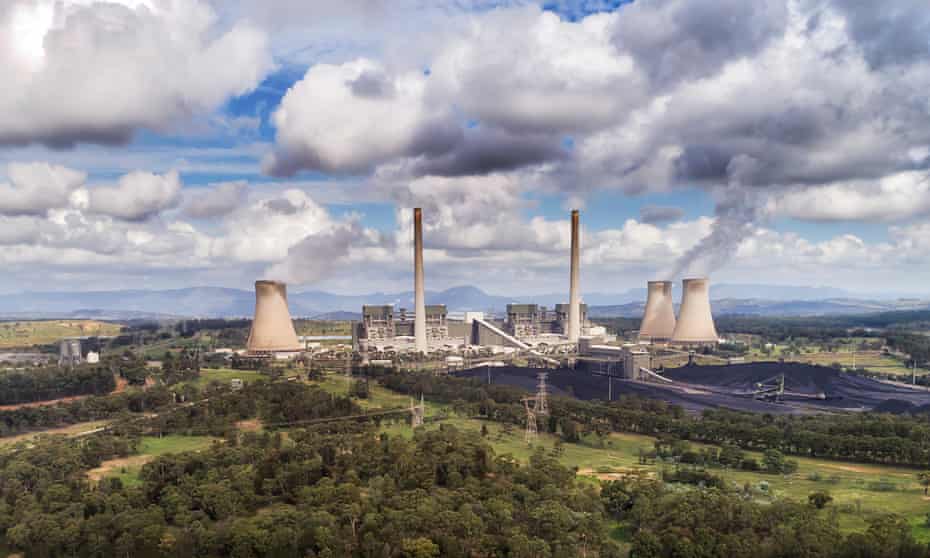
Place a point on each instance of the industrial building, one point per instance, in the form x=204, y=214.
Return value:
x=272, y=333
x=382, y=327
x=69, y=352
x=429, y=326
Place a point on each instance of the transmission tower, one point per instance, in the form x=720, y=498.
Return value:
x=417, y=412
x=542, y=394
x=531, y=428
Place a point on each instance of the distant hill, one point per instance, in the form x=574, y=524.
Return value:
x=224, y=302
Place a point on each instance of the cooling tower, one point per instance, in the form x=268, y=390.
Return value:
x=272, y=328
x=659, y=317
x=695, y=323
x=419, y=290
x=574, y=297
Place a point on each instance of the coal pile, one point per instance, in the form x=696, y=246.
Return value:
x=840, y=390
x=808, y=389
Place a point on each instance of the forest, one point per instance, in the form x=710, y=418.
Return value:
x=40, y=384
x=867, y=437
x=338, y=489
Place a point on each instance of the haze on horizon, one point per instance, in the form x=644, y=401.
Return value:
x=151, y=144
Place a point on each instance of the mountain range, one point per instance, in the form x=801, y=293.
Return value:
x=768, y=300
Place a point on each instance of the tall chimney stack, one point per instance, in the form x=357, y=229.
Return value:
x=574, y=298
x=419, y=319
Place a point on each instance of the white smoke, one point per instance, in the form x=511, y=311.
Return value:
x=317, y=256
x=739, y=208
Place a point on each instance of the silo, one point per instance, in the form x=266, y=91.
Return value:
x=659, y=317
x=272, y=328
x=695, y=323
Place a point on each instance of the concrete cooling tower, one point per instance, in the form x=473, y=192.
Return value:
x=695, y=323
x=659, y=318
x=272, y=328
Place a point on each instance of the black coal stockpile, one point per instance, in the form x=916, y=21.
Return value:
x=807, y=388
x=839, y=389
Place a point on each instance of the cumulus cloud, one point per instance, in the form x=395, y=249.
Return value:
x=216, y=201
x=35, y=188
x=324, y=123
x=137, y=196
x=891, y=198
x=94, y=71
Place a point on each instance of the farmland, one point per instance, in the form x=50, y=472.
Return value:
x=31, y=333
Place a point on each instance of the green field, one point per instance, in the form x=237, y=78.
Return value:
x=127, y=469
x=378, y=397
x=855, y=501
x=27, y=334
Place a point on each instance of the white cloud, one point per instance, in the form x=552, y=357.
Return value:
x=891, y=198
x=34, y=188
x=219, y=200
x=94, y=71
x=137, y=196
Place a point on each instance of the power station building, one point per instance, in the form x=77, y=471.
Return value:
x=382, y=327
x=530, y=321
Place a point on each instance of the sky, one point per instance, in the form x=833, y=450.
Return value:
x=149, y=144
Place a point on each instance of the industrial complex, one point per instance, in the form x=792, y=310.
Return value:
x=562, y=335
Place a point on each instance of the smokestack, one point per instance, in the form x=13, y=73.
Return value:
x=272, y=328
x=574, y=298
x=659, y=317
x=419, y=295
x=695, y=323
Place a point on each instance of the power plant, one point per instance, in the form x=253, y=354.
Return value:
x=272, y=331
x=658, y=323
x=695, y=325
x=429, y=327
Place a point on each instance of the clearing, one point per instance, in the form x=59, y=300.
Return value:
x=29, y=333
x=127, y=468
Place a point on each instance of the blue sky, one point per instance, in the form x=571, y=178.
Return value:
x=775, y=141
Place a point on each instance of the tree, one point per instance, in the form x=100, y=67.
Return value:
x=819, y=499
x=570, y=431
x=773, y=461
x=924, y=479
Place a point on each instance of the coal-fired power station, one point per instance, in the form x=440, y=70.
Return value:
x=659, y=317
x=272, y=329
x=695, y=323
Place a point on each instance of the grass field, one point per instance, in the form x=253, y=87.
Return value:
x=127, y=469
x=27, y=334
x=378, y=397
x=850, y=484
